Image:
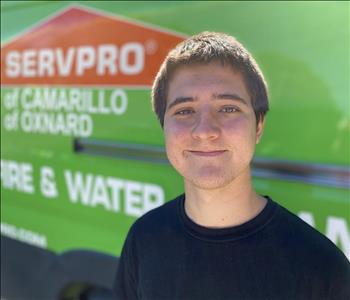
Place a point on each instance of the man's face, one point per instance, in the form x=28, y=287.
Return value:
x=209, y=125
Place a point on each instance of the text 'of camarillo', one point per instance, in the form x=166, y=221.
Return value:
x=59, y=111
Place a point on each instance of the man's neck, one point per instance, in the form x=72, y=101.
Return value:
x=231, y=205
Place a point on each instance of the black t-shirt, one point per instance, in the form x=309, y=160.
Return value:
x=275, y=255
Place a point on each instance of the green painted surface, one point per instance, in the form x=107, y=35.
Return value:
x=303, y=49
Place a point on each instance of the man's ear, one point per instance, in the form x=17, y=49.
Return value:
x=260, y=128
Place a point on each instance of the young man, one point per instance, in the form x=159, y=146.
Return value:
x=221, y=240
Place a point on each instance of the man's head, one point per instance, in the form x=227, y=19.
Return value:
x=209, y=47
x=211, y=99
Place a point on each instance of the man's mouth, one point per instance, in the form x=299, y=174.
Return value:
x=208, y=153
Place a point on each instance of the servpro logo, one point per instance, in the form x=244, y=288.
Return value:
x=103, y=60
x=84, y=47
x=62, y=75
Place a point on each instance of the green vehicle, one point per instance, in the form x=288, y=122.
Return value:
x=82, y=153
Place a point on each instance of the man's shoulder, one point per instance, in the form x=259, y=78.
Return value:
x=305, y=240
x=314, y=256
x=158, y=218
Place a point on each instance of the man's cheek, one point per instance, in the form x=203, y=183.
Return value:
x=238, y=124
x=176, y=135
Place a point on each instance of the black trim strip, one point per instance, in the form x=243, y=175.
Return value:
x=310, y=173
x=121, y=150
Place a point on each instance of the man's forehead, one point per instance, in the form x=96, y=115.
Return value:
x=214, y=69
x=187, y=80
x=195, y=65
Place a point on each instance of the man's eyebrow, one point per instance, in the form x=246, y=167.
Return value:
x=180, y=100
x=234, y=97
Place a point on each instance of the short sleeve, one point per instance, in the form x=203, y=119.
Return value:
x=125, y=281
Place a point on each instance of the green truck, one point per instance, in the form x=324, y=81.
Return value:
x=82, y=153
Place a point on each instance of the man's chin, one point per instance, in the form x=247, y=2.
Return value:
x=209, y=182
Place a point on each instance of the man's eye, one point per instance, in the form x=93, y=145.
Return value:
x=184, y=112
x=229, y=109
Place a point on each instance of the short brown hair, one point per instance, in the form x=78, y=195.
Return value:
x=204, y=48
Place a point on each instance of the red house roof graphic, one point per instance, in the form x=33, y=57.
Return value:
x=80, y=46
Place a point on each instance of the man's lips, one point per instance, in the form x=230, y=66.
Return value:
x=208, y=153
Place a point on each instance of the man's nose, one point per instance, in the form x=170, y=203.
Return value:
x=206, y=127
